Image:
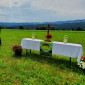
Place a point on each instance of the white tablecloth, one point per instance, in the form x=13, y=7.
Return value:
x=28, y=43
x=59, y=48
x=68, y=49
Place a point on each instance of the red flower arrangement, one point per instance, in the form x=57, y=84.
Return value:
x=17, y=49
x=83, y=58
x=48, y=36
x=82, y=63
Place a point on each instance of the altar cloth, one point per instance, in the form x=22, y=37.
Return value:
x=58, y=48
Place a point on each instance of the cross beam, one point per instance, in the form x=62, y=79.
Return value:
x=49, y=28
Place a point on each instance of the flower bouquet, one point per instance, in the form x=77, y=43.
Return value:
x=82, y=62
x=17, y=49
x=48, y=36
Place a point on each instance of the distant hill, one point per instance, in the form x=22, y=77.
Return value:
x=71, y=24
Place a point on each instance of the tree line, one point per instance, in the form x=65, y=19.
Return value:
x=74, y=29
x=43, y=28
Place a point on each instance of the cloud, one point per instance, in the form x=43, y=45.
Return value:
x=60, y=6
x=12, y=3
x=3, y=18
x=2, y=12
x=42, y=10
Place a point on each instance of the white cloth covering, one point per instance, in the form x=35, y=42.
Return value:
x=68, y=49
x=28, y=43
x=59, y=48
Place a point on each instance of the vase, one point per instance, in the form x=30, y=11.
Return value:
x=48, y=39
x=18, y=53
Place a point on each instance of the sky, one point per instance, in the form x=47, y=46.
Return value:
x=41, y=10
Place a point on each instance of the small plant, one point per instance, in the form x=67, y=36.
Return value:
x=17, y=49
x=83, y=58
x=82, y=62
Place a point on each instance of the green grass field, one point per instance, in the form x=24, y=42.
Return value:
x=36, y=69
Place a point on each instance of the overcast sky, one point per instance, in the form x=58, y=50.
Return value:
x=41, y=10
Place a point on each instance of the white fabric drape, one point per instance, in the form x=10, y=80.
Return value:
x=58, y=48
x=28, y=43
x=68, y=49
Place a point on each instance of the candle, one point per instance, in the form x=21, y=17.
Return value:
x=65, y=38
x=33, y=36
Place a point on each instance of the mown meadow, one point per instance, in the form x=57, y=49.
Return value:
x=36, y=69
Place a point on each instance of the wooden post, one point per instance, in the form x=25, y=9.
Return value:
x=30, y=51
x=70, y=60
x=26, y=51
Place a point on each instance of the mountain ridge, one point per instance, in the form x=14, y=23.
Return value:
x=33, y=23
x=70, y=24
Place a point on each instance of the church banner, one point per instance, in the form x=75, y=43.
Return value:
x=46, y=48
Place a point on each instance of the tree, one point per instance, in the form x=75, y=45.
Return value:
x=72, y=29
x=37, y=28
x=79, y=29
x=0, y=35
x=21, y=27
x=2, y=27
x=27, y=28
x=42, y=28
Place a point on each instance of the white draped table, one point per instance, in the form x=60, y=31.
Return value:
x=58, y=48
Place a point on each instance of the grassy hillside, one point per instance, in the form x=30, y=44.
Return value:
x=36, y=69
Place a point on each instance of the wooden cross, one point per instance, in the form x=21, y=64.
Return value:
x=49, y=28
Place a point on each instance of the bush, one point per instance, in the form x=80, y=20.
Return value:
x=21, y=27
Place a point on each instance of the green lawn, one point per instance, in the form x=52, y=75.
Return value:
x=36, y=69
